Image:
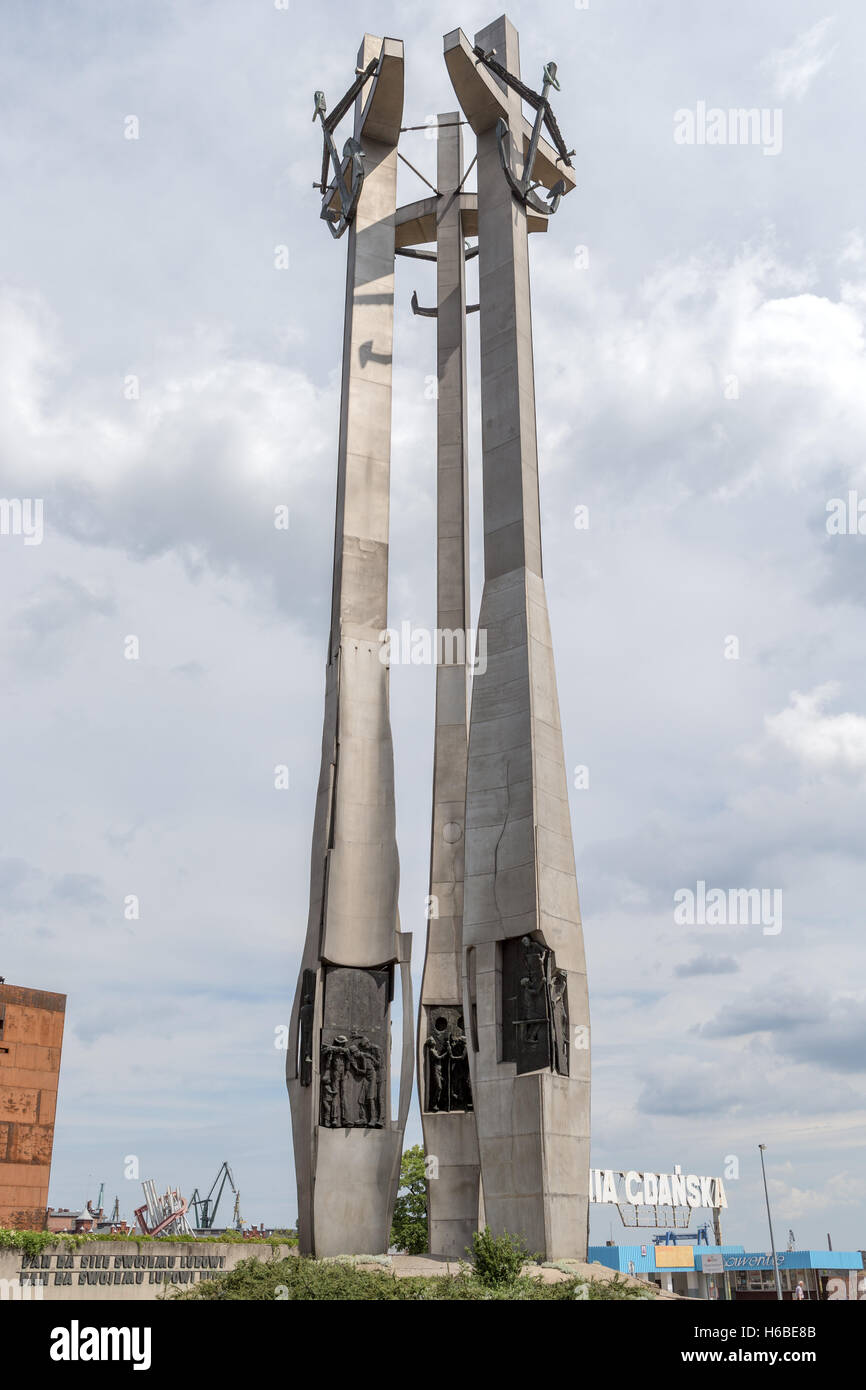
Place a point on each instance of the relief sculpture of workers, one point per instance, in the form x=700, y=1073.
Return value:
x=366, y=1061
x=334, y=1070
x=534, y=1003
x=461, y=1086
x=436, y=1050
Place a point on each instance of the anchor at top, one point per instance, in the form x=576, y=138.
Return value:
x=341, y=193
x=523, y=187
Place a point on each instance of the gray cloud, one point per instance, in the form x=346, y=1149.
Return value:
x=65, y=604
x=779, y=1010
x=82, y=890
x=707, y=965
x=810, y=1027
x=689, y=1093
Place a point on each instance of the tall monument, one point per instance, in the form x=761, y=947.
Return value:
x=347, y=1142
x=525, y=995
x=444, y=1085
x=503, y=1026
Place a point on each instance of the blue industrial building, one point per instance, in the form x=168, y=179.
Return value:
x=694, y=1270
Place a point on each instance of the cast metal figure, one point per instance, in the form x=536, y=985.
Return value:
x=461, y=1086
x=437, y=1055
x=336, y=1061
x=366, y=1061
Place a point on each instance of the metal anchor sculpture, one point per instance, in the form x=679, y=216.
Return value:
x=523, y=188
x=434, y=313
x=346, y=192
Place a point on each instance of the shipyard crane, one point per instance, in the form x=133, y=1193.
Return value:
x=97, y=1215
x=205, y=1208
x=98, y=1212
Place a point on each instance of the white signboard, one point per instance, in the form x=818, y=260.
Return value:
x=676, y=1189
x=713, y=1264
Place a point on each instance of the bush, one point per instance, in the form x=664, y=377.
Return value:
x=301, y=1278
x=498, y=1260
x=36, y=1242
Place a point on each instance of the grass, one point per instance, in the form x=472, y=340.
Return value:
x=300, y=1278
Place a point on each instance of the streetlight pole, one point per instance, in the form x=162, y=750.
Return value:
x=770, y=1224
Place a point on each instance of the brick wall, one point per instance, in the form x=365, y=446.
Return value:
x=31, y=1038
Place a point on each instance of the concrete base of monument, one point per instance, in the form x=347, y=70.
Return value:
x=354, y=1169
x=403, y=1266
x=122, y=1269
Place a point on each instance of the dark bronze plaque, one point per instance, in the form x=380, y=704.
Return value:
x=354, y=1048
x=534, y=1007
x=446, y=1064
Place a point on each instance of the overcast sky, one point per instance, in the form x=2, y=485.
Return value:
x=701, y=380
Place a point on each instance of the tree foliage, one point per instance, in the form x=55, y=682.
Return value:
x=409, y=1228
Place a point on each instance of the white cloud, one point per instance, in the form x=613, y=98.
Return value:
x=794, y=69
x=722, y=372
x=196, y=464
x=826, y=742
x=840, y=1190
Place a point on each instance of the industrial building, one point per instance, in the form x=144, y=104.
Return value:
x=732, y=1272
x=31, y=1038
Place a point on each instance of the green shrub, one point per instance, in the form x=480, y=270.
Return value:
x=497, y=1259
x=35, y=1242
x=30, y=1242
x=300, y=1278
